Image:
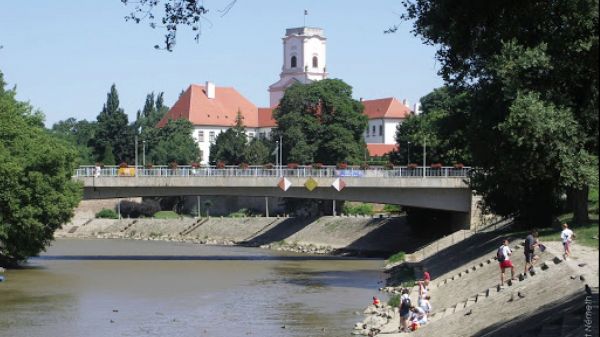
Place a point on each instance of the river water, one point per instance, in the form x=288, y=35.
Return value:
x=104, y=288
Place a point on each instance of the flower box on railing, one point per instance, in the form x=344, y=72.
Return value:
x=244, y=166
x=269, y=166
x=342, y=166
x=412, y=166
x=195, y=165
x=123, y=165
x=388, y=166
x=148, y=166
x=220, y=165
x=459, y=165
x=436, y=165
x=292, y=166
x=173, y=165
x=317, y=166
x=364, y=166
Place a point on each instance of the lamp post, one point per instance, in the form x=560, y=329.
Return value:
x=424, y=156
x=281, y=155
x=408, y=157
x=276, y=157
x=144, y=153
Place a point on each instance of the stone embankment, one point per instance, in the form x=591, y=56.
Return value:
x=467, y=300
x=324, y=235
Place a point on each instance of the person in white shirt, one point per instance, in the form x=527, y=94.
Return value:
x=567, y=237
x=418, y=315
x=425, y=304
x=504, y=254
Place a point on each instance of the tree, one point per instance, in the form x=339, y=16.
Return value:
x=442, y=127
x=174, y=143
x=230, y=146
x=78, y=134
x=113, y=128
x=508, y=54
x=37, y=194
x=321, y=122
x=176, y=13
x=257, y=152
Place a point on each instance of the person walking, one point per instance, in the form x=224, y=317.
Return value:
x=504, y=253
x=531, y=241
x=567, y=237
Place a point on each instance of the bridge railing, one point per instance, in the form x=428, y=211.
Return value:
x=280, y=171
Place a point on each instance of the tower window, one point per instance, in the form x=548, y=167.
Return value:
x=315, y=62
x=294, y=62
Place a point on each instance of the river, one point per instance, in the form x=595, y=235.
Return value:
x=92, y=288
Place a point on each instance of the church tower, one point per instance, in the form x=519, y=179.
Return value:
x=304, y=56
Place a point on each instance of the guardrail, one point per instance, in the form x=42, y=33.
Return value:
x=280, y=171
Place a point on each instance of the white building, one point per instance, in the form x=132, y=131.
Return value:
x=213, y=109
x=304, y=56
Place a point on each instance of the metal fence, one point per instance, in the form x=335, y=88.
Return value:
x=261, y=171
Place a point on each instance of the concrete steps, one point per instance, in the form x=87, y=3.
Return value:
x=482, y=296
x=193, y=226
x=128, y=226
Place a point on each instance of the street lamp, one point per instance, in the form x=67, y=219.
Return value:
x=144, y=153
x=408, y=159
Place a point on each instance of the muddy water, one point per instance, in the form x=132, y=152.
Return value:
x=138, y=288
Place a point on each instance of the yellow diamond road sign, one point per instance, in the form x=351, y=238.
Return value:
x=311, y=184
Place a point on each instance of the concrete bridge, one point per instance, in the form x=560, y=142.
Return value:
x=443, y=188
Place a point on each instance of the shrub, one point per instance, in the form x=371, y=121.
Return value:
x=166, y=215
x=173, y=165
x=360, y=209
x=398, y=257
x=392, y=208
x=107, y=214
x=394, y=301
x=240, y=213
x=132, y=209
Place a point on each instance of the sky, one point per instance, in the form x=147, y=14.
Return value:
x=63, y=56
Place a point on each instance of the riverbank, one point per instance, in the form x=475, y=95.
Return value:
x=339, y=235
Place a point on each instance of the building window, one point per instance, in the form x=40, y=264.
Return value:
x=294, y=62
x=381, y=130
x=373, y=130
x=262, y=135
x=250, y=135
x=211, y=136
x=201, y=136
x=367, y=132
x=315, y=62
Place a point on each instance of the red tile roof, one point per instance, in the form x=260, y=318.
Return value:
x=385, y=108
x=379, y=150
x=265, y=118
x=195, y=106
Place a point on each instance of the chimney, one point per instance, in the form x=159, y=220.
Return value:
x=405, y=102
x=361, y=99
x=210, y=90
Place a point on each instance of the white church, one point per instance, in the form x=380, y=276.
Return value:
x=212, y=109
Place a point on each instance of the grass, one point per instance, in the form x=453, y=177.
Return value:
x=357, y=209
x=166, y=215
x=394, y=301
x=398, y=257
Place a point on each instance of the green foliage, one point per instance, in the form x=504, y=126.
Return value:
x=37, y=194
x=394, y=301
x=241, y=213
x=107, y=213
x=392, y=208
x=174, y=143
x=398, y=257
x=320, y=122
x=166, y=215
x=257, y=152
x=229, y=146
x=403, y=276
x=517, y=64
x=78, y=134
x=357, y=209
x=442, y=125
x=113, y=129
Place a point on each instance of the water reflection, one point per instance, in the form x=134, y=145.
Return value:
x=96, y=288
